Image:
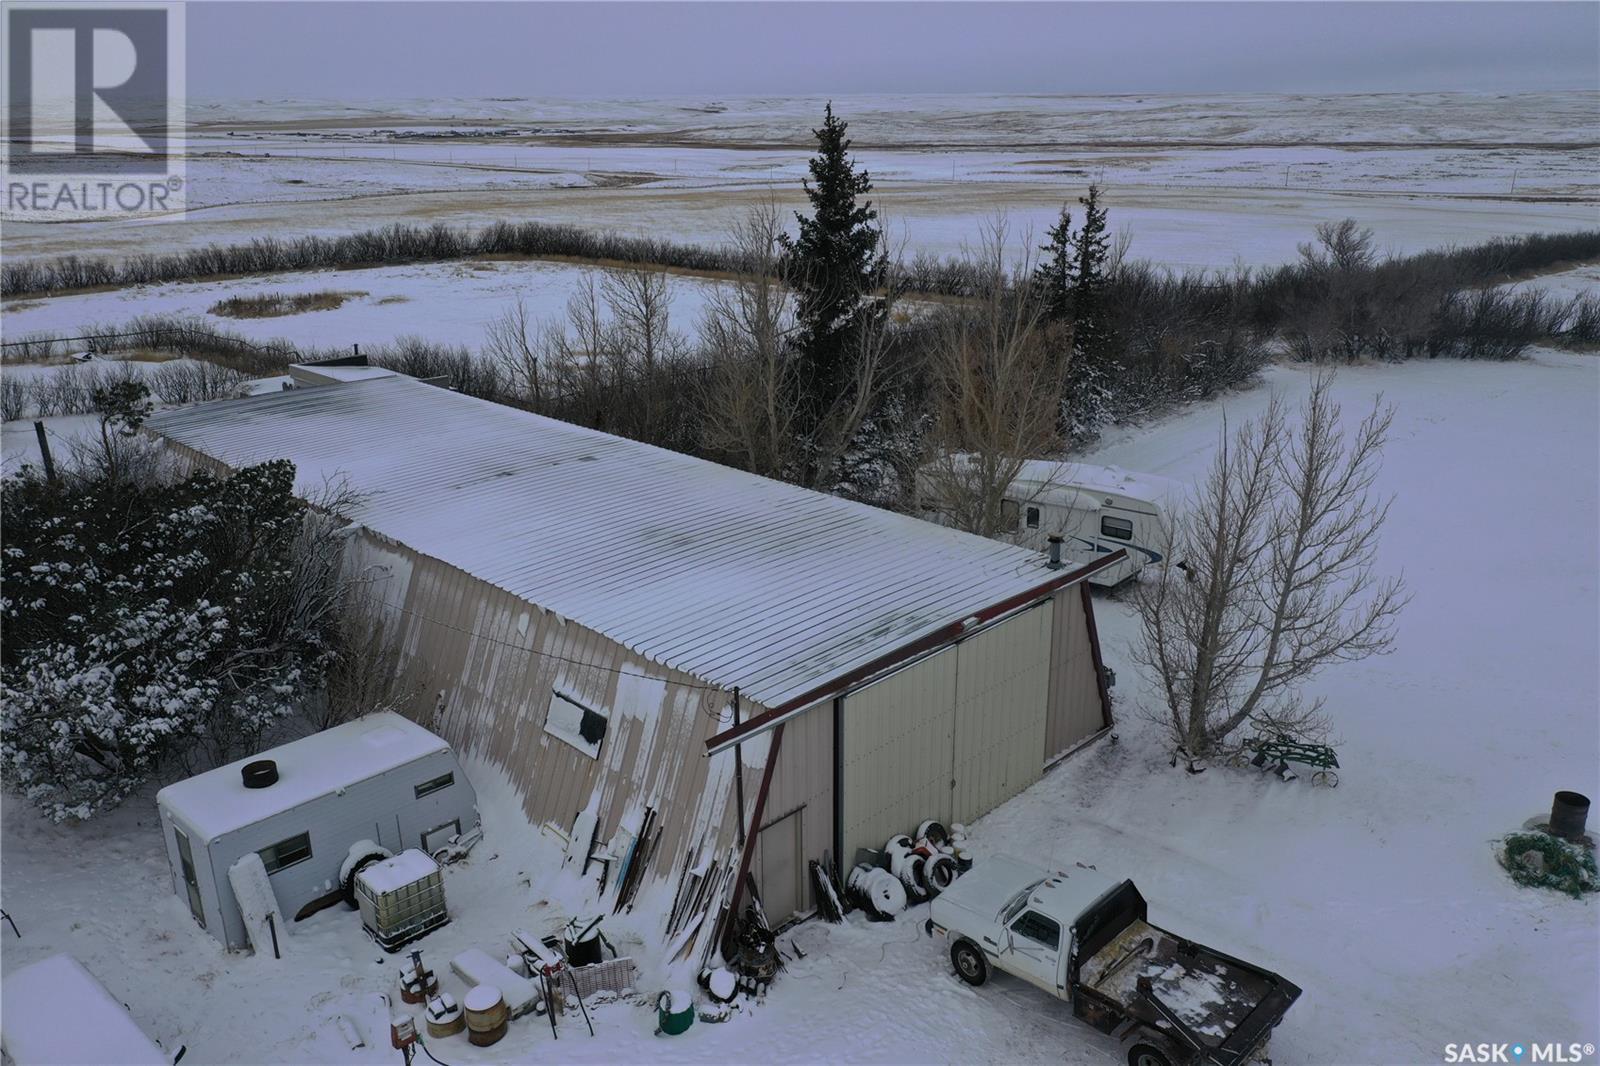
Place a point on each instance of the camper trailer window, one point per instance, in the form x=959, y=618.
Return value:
x=1033, y=518
x=574, y=723
x=286, y=853
x=1120, y=528
x=428, y=788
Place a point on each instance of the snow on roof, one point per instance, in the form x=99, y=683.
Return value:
x=56, y=1011
x=1107, y=480
x=216, y=802
x=733, y=578
x=342, y=373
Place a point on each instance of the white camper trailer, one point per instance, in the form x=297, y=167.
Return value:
x=1095, y=510
x=301, y=807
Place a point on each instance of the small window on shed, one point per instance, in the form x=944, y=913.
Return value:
x=1039, y=929
x=428, y=788
x=1120, y=528
x=576, y=724
x=286, y=853
x=1033, y=518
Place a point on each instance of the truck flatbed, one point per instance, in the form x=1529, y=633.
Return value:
x=1211, y=997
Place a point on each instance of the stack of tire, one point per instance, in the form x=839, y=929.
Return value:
x=930, y=863
x=877, y=891
x=918, y=869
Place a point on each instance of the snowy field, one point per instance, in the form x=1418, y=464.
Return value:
x=1202, y=181
x=1381, y=898
x=451, y=303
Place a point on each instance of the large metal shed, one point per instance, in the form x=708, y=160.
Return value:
x=617, y=626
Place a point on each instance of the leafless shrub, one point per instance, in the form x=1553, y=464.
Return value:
x=14, y=399
x=748, y=392
x=276, y=304
x=368, y=672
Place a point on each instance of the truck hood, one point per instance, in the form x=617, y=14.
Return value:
x=987, y=888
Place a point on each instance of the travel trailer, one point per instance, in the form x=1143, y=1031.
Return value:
x=382, y=779
x=1095, y=510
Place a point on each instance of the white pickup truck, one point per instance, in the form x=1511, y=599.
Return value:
x=1082, y=937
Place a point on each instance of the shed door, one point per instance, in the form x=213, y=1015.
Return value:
x=896, y=751
x=780, y=867
x=950, y=737
x=1002, y=686
x=1076, y=712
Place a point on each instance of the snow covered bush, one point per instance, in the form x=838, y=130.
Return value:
x=153, y=624
x=1539, y=860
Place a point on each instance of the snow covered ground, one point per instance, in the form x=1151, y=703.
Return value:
x=452, y=303
x=1202, y=180
x=1381, y=898
x=1564, y=284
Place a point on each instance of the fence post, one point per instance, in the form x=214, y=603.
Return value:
x=44, y=452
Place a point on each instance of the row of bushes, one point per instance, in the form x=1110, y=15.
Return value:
x=393, y=244
x=1492, y=261
x=179, y=335
x=70, y=390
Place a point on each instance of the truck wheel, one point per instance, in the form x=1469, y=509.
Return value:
x=970, y=964
x=1147, y=1055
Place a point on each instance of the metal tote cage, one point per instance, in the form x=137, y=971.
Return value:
x=401, y=899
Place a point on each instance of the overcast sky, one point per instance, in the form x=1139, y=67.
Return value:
x=364, y=51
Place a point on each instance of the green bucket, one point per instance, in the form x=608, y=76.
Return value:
x=672, y=1022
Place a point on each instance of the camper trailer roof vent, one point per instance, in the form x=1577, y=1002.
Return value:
x=260, y=774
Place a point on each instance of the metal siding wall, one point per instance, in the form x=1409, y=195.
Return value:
x=803, y=776
x=482, y=678
x=898, y=744
x=1075, y=709
x=1002, y=684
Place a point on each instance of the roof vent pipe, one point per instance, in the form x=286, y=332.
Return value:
x=263, y=773
x=1055, y=552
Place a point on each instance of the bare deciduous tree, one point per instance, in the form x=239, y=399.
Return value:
x=749, y=390
x=512, y=341
x=996, y=387
x=1279, y=548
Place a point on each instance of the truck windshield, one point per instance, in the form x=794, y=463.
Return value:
x=1017, y=901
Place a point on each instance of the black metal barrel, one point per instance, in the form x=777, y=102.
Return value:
x=1569, y=814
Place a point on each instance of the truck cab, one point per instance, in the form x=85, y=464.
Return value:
x=1083, y=937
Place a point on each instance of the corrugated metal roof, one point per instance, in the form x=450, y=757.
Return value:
x=736, y=579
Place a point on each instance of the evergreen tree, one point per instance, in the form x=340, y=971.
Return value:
x=1086, y=404
x=835, y=264
x=1054, y=274
x=1090, y=248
